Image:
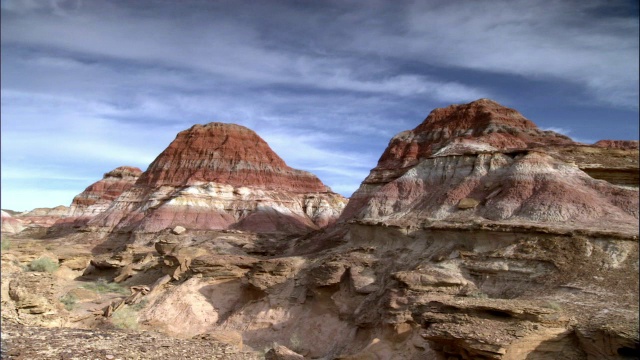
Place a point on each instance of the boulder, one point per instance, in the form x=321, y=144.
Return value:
x=281, y=352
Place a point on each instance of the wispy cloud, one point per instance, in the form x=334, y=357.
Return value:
x=570, y=40
x=91, y=85
x=569, y=132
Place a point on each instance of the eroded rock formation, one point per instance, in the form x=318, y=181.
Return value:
x=43, y=217
x=220, y=176
x=11, y=224
x=477, y=236
x=98, y=196
x=490, y=156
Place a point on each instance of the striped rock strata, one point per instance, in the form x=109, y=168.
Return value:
x=220, y=176
x=43, y=217
x=485, y=162
x=10, y=224
x=98, y=196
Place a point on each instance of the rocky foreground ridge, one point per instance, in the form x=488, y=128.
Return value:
x=477, y=236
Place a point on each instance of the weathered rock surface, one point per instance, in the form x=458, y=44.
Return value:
x=221, y=176
x=484, y=162
x=226, y=154
x=496, y=243
x=28, y=342
x=43, y=217
x=98, y=196
x=479, y=126
x=11, y=224
x=282, y=353
x=618, y=144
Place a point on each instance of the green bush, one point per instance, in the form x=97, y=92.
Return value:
x=139, y=306
x=69, y=301
x=43, y=265
x=126, y=318
x=478, y=295
x=102, y=286
x=5, y=245
x=553, y=305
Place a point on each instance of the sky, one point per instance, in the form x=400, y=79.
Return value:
x=88, y=86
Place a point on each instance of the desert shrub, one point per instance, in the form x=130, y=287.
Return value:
x=69, y=301
x=139, y=306
x=43, y=265
x=295, y=343
x=102, y=286
x=5, y=245
x=478, y=295
x=553, y=305
x=126, y=318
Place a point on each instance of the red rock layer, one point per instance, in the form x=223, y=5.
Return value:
x=518, y=174
x=227, y=154
x=484, y=121
x=221, y=176
x=103, y=192
x=618, y=144
x=43, y=217
x=98, y=196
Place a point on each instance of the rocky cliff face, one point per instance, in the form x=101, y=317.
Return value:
x=486, y=163
x=43, y=217
x=10, y=224
x=98, y=196
x=220, y=176
x=493, y=243
x=496, y=243
x=226, y=154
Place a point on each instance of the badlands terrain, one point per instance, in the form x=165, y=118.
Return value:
x=476, y=236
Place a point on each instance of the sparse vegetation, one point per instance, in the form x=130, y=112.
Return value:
x=478, y=295
x=553, y=305
x=101, y=286
x=139, y=306
x=69, y=301
x=295, y=343
x=43, y=265
x=5, y=245
x=126, y=318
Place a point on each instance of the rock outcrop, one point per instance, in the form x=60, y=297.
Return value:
x=98, y=196
x=476, y=237
x=490, y=156
x=43, y=217
x=220, y=176
x=11, y=224
x=618, y=144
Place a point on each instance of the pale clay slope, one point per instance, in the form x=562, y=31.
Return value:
x=531, y=188
x=225, y=204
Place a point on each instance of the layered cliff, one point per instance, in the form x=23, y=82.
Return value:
x=10, y=224
x=486, y=163
x=220, y=176
x=97, y=197
x=43, y=217
x=477, y=236
x=491, y=244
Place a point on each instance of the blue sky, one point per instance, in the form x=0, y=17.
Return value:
x=91, y=85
